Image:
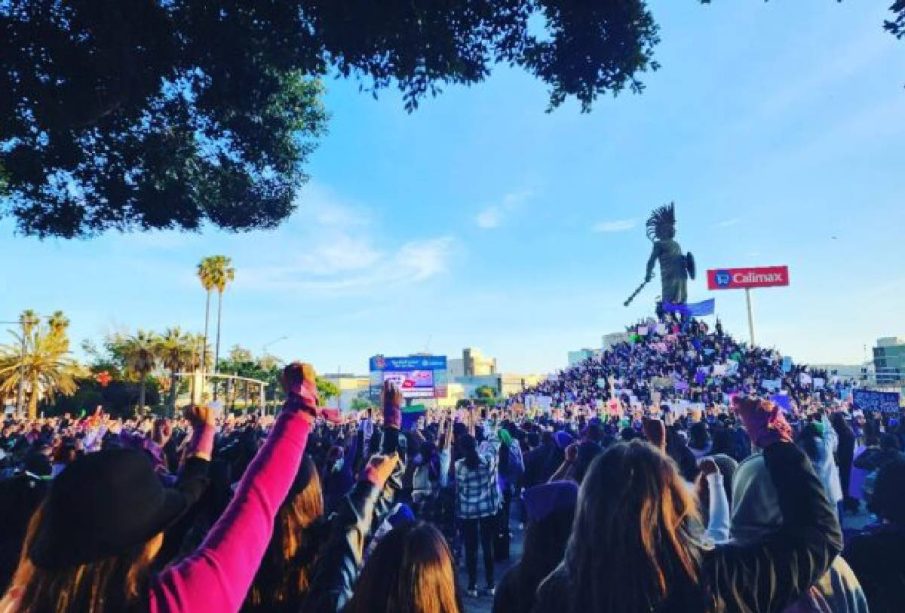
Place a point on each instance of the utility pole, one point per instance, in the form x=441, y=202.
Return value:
x=750, y=315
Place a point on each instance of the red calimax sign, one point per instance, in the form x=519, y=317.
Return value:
x=742, y=278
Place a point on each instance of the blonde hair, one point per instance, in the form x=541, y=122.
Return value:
x=111, y=584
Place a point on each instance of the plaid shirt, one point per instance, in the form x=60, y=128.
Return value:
x=478, y=491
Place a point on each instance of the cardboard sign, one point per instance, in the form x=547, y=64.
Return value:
x=867, y=400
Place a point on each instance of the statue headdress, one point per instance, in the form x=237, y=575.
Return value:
x=662, y=222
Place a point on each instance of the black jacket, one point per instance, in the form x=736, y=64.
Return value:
x=336, y=571
x=510, y=596
x=764, y=576
x=878, y=559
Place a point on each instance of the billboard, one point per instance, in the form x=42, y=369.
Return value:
x=742, y=278
x=418, y=376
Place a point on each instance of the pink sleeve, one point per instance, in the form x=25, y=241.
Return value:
x=217, y=575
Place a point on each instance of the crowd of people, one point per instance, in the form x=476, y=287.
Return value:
x=669, y=473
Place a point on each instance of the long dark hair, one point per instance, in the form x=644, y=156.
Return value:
x=544, y=548
x=469, y=448
x=410, y=571
x=284, y=575
x=634, y=543
x=115, y=583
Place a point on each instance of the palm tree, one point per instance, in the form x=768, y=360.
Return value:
x=216, y=273
x=227, y=274
x=58, y=322
x=140, y=355
x=206, y=276
x=175, y=350
x=40, y=360
x=27, y=321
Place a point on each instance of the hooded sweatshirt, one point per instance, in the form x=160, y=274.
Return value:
x=756, y=513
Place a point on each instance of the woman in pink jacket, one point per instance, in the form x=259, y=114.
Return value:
x=92, y=544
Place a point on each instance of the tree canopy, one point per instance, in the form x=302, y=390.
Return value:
x=169, y=114
x=128, y=114
x=896, y=25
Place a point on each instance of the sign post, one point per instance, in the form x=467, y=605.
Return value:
x=750, y=315
x=747, y=279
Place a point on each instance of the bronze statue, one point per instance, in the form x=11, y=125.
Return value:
x=675, y=267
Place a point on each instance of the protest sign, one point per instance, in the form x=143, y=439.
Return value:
x=771, y=385
x=661, y=382
x=868, y=400
x=783, y=401
x=411, y=414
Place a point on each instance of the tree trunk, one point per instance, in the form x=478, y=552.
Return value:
x=141, y=394
x=174, y=390
x=207, y=317
x=33, y=399
x=217, y=347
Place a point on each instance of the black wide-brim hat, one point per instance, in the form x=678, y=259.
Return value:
x=103, y=505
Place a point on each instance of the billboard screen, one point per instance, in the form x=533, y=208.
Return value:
x=741, y=278
x=416, y=376
x=413, y=383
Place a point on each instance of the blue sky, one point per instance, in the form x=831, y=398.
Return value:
x=480, y=220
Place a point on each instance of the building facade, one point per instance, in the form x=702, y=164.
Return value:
x=889, y=361
x=579, y=356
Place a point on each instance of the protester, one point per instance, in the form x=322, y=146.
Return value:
x=845, y=455
x=634, y=507
x=878, y=556
x=551, y=510
x=369, y=484
x=299, y=532
x=757, y=515
x=91, y=545
x=478, y=503
x=411, y=571
x=511, y=468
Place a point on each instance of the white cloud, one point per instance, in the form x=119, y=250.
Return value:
x=337, y=248
x=618, y=225
x=322, y=205
x=493, y=215
x=727, y=223
x=413, y=262
x=489, y=218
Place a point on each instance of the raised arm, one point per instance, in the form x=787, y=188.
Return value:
x=566, y=469
x=718, y=503
x=337, y=569
x=217, y=576
x=770, y=574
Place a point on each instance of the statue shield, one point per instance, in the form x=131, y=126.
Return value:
x=690, y=267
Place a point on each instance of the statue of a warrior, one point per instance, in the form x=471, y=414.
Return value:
x=675, y=267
